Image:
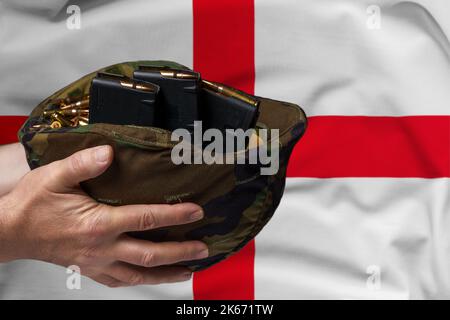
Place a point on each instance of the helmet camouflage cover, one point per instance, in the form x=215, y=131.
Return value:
x=237, y=199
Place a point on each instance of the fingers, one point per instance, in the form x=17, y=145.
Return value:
x=145, y=217
x=109, y=281
x=133, y=275
x=82, y=165
x=150, y=254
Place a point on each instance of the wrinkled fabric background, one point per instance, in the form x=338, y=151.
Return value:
x=329, y=235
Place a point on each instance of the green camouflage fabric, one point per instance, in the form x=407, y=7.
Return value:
x=237, y=200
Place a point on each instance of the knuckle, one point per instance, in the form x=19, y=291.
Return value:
x=89, y=254
x=135, y=278
x=76, y=163
x=113, y=283
x=148, y=259
x=95, y=226
x=148, y=219
x=106, y=280
x=187, y=254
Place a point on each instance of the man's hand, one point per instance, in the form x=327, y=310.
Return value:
x=13, y=166
x=48, y=217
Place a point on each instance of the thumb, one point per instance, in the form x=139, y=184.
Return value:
x=82, y=165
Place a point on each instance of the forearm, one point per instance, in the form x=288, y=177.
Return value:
x=13, y=166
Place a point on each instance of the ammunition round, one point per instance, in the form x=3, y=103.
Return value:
x=55, y=125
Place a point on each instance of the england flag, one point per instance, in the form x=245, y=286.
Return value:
x=366, y=209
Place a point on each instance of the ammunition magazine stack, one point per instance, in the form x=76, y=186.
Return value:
x=155, y=97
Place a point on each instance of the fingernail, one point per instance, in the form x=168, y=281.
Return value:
x=101, y=154
x=202, y=254
x=197, y=215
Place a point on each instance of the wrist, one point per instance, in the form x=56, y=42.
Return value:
x=9, y=246
x=13, y=166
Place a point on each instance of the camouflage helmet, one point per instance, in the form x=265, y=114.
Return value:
x=237, y=199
